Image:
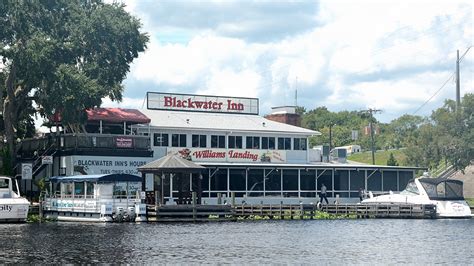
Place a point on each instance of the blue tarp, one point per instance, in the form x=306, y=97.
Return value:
x=96, y=178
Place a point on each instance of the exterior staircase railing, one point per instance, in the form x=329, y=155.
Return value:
x=444, y=170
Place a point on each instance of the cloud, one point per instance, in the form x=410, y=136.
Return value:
x=343, y=55
x=254, y=21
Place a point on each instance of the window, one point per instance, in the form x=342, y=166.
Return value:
x=217, y=141
x=4, y=183
x=284, y=143
x=160, y=139
x=411, y=189
x=268, y=143
x=253, y=142
x=299, y=144
x=89, y=189
x=235, y=142
x=79, y=188
x=199, y=141
x=178, y=140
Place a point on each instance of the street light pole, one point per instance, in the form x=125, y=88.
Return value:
x=330, y=138
x=371, y=111
x=372, y=142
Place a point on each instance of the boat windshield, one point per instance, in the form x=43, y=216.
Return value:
x=4, y=183
x=411, y=189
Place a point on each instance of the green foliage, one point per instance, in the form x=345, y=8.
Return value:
x=392, y=161
x=342, y=125
x=6, y=168
x=65, y=56
x=447, y=135
x=381, y=157
x=470, y=201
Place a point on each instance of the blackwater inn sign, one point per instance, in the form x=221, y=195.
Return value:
x=201, y=103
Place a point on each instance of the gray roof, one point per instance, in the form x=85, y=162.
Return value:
x=318, y=165
x=221, y=122
x=171, y=163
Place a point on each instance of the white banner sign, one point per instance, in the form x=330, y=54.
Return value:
x=47, y=160
x=26, y=171
x=107, y=165
x=201, y=103
x=231, y=155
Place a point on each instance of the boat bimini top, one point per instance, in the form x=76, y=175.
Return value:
x=442, y=189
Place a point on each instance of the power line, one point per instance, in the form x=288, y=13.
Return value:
x=444, y=84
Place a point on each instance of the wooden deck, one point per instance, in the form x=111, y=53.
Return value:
x=190, y=213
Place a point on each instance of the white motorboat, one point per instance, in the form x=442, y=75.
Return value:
x=13, y=207
x=446, y=194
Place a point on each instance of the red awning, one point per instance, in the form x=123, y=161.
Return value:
x=117, y=115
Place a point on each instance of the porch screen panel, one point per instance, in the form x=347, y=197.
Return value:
x=357, y=182
x=290, y=183
x=374, y=183
x=237, y=181
x=255, y=183
x=308, y=183
x=390, y=180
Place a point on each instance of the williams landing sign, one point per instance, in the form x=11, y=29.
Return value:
x=231, y=155
x=201, y=103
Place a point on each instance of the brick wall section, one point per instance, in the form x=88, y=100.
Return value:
x=291, y=119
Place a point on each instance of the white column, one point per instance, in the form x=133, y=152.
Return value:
x=299, y=183
x=171, y=186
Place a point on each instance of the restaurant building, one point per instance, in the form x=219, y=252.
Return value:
x=255, y=158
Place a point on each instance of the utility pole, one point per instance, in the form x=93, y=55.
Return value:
x=371, y=112
x=458, y=85
x=296, y=92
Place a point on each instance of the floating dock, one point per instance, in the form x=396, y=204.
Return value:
x=199, y=213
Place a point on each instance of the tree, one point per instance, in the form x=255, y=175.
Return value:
x=63, y=56
x=392, y=161
x=448, y=135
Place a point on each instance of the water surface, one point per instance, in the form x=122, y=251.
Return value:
x=371, y=241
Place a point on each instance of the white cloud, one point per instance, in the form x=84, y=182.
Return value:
x=391, y=55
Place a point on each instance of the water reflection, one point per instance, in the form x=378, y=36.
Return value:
x=331, y=241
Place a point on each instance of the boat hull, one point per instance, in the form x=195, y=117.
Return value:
x=14, y=210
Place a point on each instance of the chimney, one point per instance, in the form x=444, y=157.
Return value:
x=285, y=114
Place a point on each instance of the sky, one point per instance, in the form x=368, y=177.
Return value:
x=345, y=55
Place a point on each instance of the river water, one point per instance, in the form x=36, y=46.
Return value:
x=371, y=241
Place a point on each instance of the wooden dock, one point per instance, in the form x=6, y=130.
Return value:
x=310, y=211
x=190, y=213
x=200, y=213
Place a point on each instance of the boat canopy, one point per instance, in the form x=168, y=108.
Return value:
x=96, y=178
x=442, y=189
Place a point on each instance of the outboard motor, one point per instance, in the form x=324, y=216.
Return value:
x=118, y=214
x=130, y=214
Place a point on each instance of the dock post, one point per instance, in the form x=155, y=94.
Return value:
x=219, y=199
x=281, y=211
x=232, y=195
x=194, y=205
x=301, y=211
x=40, y=210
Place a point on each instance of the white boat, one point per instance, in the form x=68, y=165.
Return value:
x=446, y=194
x=95, y=198
x=13, y=207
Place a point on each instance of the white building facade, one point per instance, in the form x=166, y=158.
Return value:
x=253, y=158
